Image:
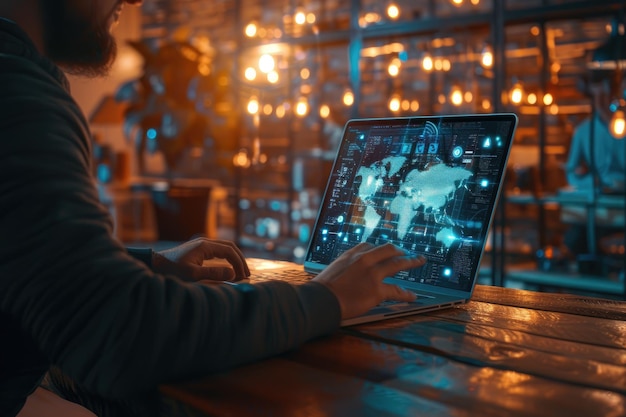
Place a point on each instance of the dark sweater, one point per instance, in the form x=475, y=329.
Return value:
x=72, y=296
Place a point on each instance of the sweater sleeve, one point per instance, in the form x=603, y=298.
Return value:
x=93, y=310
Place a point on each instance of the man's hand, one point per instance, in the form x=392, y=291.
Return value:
x=356, y=277
x=187, y=261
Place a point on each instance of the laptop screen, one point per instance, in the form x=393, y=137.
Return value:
x=427, y=184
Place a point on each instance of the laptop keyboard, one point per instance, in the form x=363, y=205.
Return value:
x=295, y=276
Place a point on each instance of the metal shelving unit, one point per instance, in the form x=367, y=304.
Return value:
x=344, y=51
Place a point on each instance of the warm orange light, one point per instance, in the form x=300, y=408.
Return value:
x=618, y=124
x=266, y=63
x=415, y=105
x=272, y=77
x=517, y=94
x=324, y=111
x=305, y=73
x=394, y=104
x=456, y=97
x=267, y=109
x=302, y=107
x=548, y=99
x=253, y=105
x=427, y=63
x=348, y=98
x=394, y=68
x=532, y=98
x=280, y=111
x=300, y=18
x=251, y=30
x=393, y=11
x=241, y=159
x=250, y=74
x=486, y=59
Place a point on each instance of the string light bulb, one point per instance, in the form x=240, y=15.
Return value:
x=302, y=107
x=266, y=63
x=517, y=93
x=324, y=111
x=456, y=97
x=251, y=30
x=393, y=11
x=427, y=63
x=250, y=74
x=618, y=124
x=300, y=17
x=394, y=67
x=394, y=104
x=348, y=98
x=548, y=99
x=486, y=57
x=253, y=105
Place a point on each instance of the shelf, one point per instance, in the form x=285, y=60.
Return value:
x=571, y=281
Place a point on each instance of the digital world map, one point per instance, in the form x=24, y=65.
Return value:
x=428, y=190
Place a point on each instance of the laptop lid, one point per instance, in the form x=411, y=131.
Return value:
x=428, y=184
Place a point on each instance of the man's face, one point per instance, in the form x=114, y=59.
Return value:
x=78, y=34
x=605, y=88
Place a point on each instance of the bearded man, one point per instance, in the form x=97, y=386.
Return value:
x=117, y=322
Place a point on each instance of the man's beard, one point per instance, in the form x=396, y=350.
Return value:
x=81, y=45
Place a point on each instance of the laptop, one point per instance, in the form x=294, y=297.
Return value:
x=428, y=184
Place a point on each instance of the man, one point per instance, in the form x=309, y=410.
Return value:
x=607, y=151
x=71, y=296
x=596, y=161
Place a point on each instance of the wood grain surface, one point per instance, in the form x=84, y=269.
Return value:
x=505, y=353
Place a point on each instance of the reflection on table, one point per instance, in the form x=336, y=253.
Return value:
x=506, y=353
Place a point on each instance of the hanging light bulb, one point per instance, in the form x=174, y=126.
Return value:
x=300, y=17
x=394, y=67
x=267, y=63
x=456, y=97
x=272, y=77
x=393, y=11
x=517, y=93
x=618, y=124
x=427, y=63
x=324, y=111
x=394, y=104
x=253, y=105
x=302, y=107
x=251, y=29
x=486, y=57
x=548, y=99
x=348, y=98
x=250, y=74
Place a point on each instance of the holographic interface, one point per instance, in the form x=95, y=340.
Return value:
x=427, y=185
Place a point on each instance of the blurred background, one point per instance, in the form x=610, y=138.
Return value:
x=221, y=118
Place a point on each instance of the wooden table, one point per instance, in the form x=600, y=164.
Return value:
x=506, y=353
